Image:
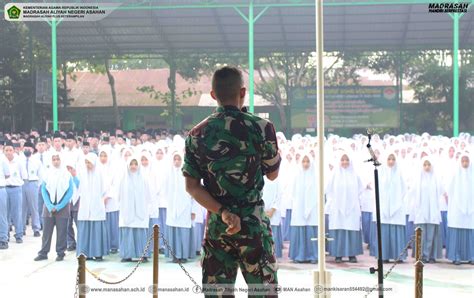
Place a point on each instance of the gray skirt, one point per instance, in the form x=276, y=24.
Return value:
x=132, y=242
x=431, y=245
x=92, y=238
x=181, y=242
x=346, y=243
x=460, y=244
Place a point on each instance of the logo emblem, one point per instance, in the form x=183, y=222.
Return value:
x=14, y=12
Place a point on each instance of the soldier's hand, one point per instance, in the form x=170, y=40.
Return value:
x=232, y=221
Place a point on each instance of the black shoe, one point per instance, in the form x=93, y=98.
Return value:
x=71, y=248
x=386, y=261
x=19, y=240
x=41, y=258
x=432, y=261
x=457, y=263
x=338, y=260
x=59, y=258
x=145, y=260
x=175, y=260
x=183, y=260
x=314, y=261
x=161, y=251
x=352, y=260
x=114, y=251
x=198, y=253
x=400, y=262
x=3, y=245
x=89, y=259
x=471, y=262
x=98, y=259
x=37, y=234
x=126, y=260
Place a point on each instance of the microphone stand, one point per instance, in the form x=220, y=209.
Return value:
x=379, y=269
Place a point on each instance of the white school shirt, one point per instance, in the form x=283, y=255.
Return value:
x=32, y=168
x=16, y=172
x=4, y=171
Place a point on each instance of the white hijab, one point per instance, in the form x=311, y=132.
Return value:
x=305, y=186
x=344, y=187
x=428, y=190
x=134, y=197
x=461, y=187
x=179, y=199
x=392, y=188
x=91, y=191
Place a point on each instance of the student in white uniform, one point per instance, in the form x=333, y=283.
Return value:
x=57, y=190
x=160, y=168
x=272, y=197
x=179, y=211
x=92, y=238
x=14, y=191
x=109, y=175
x=287, y=173
x=32, y=169
x=343, y=205
x=392, y=210
x=134, y=197
x=4, y=223
x=41, y=155
x=460, y=242
x=148, y=173
x=198, y=215
x=425, y=209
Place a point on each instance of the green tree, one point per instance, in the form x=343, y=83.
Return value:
x=280, y=72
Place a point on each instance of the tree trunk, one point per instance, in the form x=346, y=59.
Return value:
x=172, y=88
x=282, y=112
x=114, y=95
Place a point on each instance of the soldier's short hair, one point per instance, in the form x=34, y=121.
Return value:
x=226, y=83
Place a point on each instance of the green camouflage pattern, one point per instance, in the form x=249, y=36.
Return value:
x=230, y=151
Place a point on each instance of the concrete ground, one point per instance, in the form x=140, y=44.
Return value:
x=21, y=277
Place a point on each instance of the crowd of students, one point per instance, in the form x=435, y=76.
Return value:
x=103, y=192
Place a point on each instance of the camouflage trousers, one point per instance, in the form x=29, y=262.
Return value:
x=254, y=255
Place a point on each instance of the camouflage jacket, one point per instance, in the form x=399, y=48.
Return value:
x=231, y=150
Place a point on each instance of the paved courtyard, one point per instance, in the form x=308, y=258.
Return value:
x=21, y=277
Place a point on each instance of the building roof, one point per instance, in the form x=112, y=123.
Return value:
x=203, y=26
x=91, y=90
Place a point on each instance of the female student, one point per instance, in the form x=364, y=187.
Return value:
x=343, y=205
x=272, y=195
x=460, y=242
x=109, y=175
x=92, y=237
x=160, y=169
x=57, y=190
x=179, y=213
x=304, y=216
x=425, y=210
x=392, y=211
x=134, y=198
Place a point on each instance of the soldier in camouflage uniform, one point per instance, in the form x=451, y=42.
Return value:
x=230, y=151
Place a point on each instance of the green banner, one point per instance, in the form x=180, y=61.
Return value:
x=347, y=107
